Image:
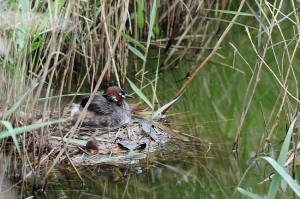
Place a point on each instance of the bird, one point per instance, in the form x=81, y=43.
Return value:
x=107, y=109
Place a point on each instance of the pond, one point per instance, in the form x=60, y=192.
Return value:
x=209, y=113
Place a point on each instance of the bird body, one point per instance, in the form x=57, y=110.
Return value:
x=107, y=109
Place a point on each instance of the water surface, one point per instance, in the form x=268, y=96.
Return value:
x=209, y=111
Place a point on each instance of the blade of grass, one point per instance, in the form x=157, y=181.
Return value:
x=261, y=9
x=152, y=19
x=235, y=23
x=258, y=19
x=278, y=166
x=18, y=103
x=286, y=143
x=156, y=78
x=136, y=52
x=244, y=175
x=140, y=14
x=281, y=160
x=248, y=194
x=20, y=130
x=282, y=173
x=57, y=96
x=11, y=133
x=127, y=37
x=279, y=21
x=232, y=12
x=139, y=93
x=161, y=109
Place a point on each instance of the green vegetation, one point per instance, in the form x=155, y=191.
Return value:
x=279, y=168
x=52, y=51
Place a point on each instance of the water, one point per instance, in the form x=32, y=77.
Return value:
x=209, y=111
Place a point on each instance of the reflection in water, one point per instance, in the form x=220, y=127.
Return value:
x=7, y=188
x=208, y=112
x=8, y=191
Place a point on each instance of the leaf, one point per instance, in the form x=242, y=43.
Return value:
x=140, y=14
x=136, y=52
x=165, y=106
x=244, y=175
x=278, y=166
x=20, y=130
x=279, y=21
x=57, y=96
x=139, y=93
x=152, y=19
x=130, y=39
x=11, y=133
x=286, y=143
x=18, y=103
x=282, y=173
x=259, y=19
x=232, y=12
x=281, y=160
x=37, y=42
x=248, y=194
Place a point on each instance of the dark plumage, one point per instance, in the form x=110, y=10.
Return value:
x=106, y=109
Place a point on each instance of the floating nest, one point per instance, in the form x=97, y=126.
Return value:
x=127, y=144
x=129, y=148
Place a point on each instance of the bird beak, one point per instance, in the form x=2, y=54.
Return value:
x=127, y=96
